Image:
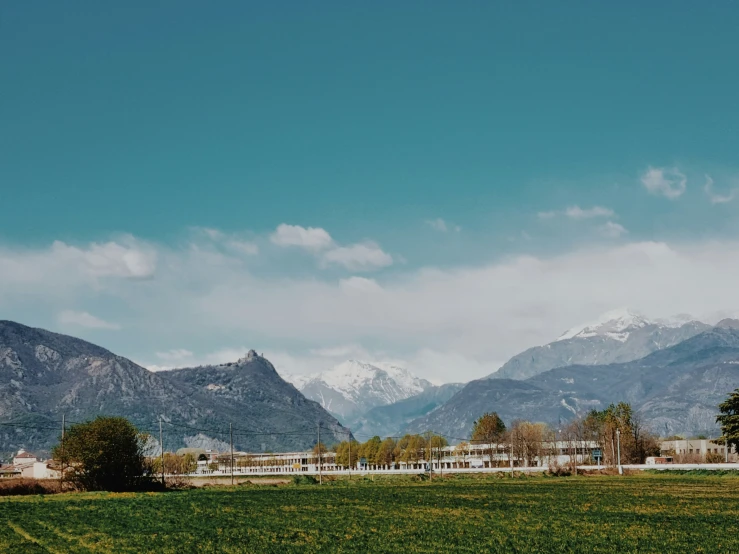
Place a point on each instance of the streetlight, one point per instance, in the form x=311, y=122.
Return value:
x=618, y=440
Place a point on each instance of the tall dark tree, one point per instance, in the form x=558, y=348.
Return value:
x=729, y=420
x=104, y=454
x=489, y=430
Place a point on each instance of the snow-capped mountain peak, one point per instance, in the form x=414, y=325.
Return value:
x=615, y=324
x=353, y=386
x=615, y=337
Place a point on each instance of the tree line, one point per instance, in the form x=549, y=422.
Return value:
x=379, y=452
x=107, y=453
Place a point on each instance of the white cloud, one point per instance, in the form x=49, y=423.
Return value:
x=181, y=358
x=612, y=230
x=479, y=315
x=359, y=284
x=665, y=181
x=110, y=259
x=715, y=198
x=310, y=238
x=364, y=256
x=64, y=263
x=440, y=225
x=576, y=212
x=226, y=241
x=84, y=319
x=175, y=355
x=243, y=247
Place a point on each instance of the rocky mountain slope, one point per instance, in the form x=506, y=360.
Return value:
x=676, y=389
x=353, y=388
x=44, y=375
x=390, y=420
x=618, y=336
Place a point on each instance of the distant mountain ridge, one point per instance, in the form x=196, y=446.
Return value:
x=675, y=389
x=392, y=419
x=353, y=387
x=616, y=337
x=44, y=375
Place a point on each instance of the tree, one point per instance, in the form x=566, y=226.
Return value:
x=343, y=451
x=528, y=439
x=637, y=442
x=461, y=450
x=488, y=430
x=436, y=443
x=174, y=464
x=385, y=453
x=104, y=454
x=410, y=448
x=370, y=449
x=729, y=420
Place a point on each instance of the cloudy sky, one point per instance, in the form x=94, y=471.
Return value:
x=437, y=185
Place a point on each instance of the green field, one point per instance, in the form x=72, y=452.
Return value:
x=646, y=513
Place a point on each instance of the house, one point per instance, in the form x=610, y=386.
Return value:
x=9, y=470
x=39, y=470
x=23, y=459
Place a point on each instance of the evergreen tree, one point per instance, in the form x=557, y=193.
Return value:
x=729, y=420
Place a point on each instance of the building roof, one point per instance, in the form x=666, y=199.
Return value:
x=24, y=455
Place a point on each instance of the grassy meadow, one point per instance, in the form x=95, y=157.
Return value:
x=640, y=513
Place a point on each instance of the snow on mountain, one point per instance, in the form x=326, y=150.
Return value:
x=615, y=324
x=615, y=337
x=354, y=387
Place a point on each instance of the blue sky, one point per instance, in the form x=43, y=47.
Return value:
x=162, y=144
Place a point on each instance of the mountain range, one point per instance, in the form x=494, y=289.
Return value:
x=44, y=375
x=673, y=372
x=675, y=389
x=617, y=336
x=352, y=388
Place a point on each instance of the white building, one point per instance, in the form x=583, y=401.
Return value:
x=23, y=459
x=697, y=449
x=39, y=470
x=471, y=456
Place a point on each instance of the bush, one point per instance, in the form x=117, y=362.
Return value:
x=715, y=458
x=304, y=480
x=10, y=487
x=104, y=454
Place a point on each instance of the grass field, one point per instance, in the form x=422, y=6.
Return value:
x=645, y=513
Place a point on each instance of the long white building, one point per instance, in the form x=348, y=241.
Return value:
x=450, y=458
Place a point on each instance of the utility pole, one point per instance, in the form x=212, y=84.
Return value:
x=350, y=455
x=510, y=454
x=618, y=439
x=726, y=449
x=575, y=465
x=441, y=469
x=320, y=475
x=161, y=444
x=429, y=456
x=61, y=472
x=231, y=433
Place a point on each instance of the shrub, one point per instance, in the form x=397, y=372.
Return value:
x=10, y=487
x=304, y=480
x=715, y=458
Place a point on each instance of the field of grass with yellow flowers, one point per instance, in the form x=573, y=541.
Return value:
x=637, y=513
